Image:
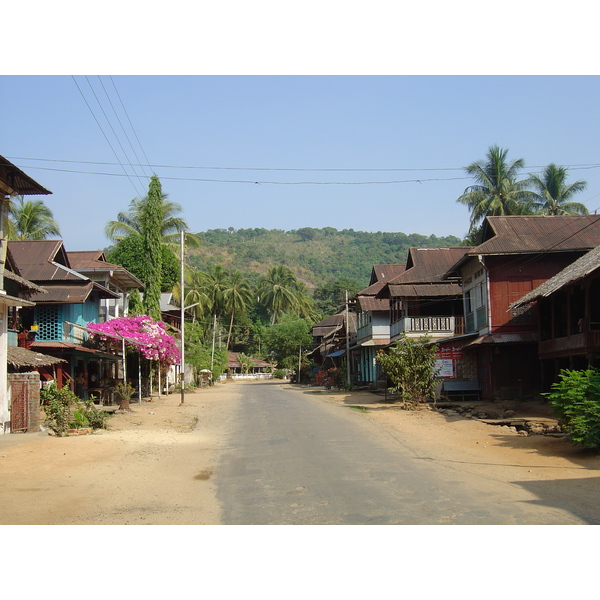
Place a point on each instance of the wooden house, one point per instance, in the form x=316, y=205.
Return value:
x=55, y=325
x=422, y=303
x=568, y=318
x=517, y=254
x=13, y=182
x=373, y=323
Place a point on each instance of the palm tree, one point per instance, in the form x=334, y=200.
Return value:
x=305, y=305
x=277, y=291
x=31, y=220
x=237, y=294
x=553, y=195
x=129, y=223
x=497, y=190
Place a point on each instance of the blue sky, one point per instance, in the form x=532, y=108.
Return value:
x=422, y=129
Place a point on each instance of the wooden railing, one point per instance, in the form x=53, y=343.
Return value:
x=428, y=325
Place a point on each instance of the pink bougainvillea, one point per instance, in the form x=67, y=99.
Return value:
x=145, y=335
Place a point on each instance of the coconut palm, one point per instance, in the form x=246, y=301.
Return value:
x=31, y=220
x=129, y=223
x=277, y=291
x=553, y=195
x=498, y=190
x=237, y=294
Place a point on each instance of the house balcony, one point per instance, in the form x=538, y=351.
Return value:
x=436, y=327
x=579, y=343
x=373, y=333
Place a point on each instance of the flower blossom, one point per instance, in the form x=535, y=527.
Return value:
x=145, y=335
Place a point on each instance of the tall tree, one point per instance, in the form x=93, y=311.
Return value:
x=498, y=190
x=237, y=294
x=277, y=291
x=151, y=218
x=553, y=195
x=31, y=220
x=130, y=223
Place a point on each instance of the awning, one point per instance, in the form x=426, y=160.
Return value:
x=12, y=301
x=505, y=338
x=336, y=353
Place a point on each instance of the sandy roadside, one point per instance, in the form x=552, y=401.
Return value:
x=139, y=471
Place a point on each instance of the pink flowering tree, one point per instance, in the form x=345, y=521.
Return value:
x=141, y=333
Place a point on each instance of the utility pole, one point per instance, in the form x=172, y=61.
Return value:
x=348, y=378
x=181, y=301
x=212, y=353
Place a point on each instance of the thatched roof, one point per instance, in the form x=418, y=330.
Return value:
x=582, y=267
x=20, y=358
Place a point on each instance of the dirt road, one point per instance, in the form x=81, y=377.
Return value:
x=155, y=464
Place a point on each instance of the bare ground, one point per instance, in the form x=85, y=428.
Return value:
x=142, y=470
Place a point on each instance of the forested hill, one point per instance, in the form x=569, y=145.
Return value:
x=317, y=256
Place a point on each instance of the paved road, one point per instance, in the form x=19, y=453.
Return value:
x=293, y=458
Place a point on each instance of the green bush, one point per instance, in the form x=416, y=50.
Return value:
x=59, y=406
x=97, y=419
x=576, y=401
x=64, y=410
x=79, y=419
x=279, y=374
x=411, y=366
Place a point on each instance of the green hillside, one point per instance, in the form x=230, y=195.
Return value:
x=317, y=256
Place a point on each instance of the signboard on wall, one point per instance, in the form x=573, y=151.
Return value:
x=446, y=367
x=450, y=353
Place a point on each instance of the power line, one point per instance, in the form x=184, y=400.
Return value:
x=128, y=119
x=123, y=129
x=103, y=133
x=257, y=182
x=581, y=166
x=113, y=130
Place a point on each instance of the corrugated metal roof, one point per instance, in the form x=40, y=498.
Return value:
x=369, y=303
x=536, y=233
x=505, y=338
x=386, y=272
x=42, y=260
x=94, y=261
x=71, y=293
x=18, y=181
x=582, y=267
x=67, y=346
x=425, y=290
x=429, y=264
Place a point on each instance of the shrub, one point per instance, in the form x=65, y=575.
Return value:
x=411, y=366
x=279, y=374
x=59, y=406
x=97, y=419
x=124, y=390
x=576, y=401
x=64, y=410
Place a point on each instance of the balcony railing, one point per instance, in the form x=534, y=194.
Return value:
x=429, y=326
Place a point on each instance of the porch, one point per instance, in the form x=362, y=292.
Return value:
x=436, y=326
